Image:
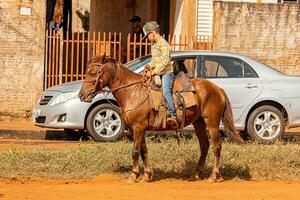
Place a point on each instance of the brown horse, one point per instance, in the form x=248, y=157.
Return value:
x=132, y=94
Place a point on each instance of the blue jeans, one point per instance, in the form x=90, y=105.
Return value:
x=167, y=85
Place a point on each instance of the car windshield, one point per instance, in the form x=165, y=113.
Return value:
x=137, y=63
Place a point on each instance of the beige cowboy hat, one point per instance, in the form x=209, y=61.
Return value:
x=149, y=27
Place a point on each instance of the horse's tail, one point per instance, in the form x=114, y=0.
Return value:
x=228, y=122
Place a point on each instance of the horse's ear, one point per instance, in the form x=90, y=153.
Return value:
x=103, y=57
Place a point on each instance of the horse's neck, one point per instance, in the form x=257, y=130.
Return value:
x=123, y=77
x=125, y=80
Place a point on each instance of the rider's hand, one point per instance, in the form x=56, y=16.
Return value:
x=148, y=74
x=147, y=68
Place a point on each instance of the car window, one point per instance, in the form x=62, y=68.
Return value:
x=249, y=72
x=136, y=64
x=225, y=67
x=213, y=69
x=186, y=65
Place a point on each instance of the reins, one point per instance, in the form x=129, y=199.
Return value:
x=143, y=81
x=122, y=87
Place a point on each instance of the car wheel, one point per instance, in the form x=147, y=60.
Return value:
x=104, y=123
x=266, y=124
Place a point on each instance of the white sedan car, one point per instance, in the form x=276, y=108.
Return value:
x=263, y=99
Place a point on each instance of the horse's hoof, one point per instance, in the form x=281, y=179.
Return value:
x=147, y=177
x=220, y=179
x=215, y=180
x=211, y=180
x=134, y=178
x=195, y=178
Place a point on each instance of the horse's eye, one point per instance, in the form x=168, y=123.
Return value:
x=91, y=71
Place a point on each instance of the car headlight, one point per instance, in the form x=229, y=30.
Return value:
x=63, y=97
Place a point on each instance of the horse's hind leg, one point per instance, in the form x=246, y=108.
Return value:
x=216, y=145
x=144, y=154
x=200, y=128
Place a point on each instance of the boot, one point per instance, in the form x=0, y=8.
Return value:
x=172, y=122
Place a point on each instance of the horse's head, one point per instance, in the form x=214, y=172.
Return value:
x=99, y=73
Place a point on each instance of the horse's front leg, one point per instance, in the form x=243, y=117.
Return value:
x=144, y=154
x=138, y=136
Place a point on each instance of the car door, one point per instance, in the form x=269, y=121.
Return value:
x=240, y=82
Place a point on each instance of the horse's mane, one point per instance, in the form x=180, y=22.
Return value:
x=101, y=60
x=105, y=59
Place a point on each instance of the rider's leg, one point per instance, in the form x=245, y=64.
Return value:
x=167, y=85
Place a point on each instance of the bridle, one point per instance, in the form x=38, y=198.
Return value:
x=98, y=81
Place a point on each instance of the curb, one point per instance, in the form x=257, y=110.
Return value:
x=58, y=134
x=35, y=134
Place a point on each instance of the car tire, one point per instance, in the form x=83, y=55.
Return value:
x=104, y=123
x=265, y=124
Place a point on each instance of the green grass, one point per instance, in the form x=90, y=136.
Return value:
x=251, y=161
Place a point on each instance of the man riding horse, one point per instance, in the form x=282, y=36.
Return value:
x=132, y=93
x=160, y=66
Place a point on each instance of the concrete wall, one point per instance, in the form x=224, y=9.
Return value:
x=252, y=1
x=21, y=56
x=267, y=32
x=113, y=15
x=183, y=17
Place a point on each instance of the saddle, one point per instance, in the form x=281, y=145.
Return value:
x=182, y=83
x=183, y=95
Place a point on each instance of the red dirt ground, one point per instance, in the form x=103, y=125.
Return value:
x=110, y=186
x=116, y=188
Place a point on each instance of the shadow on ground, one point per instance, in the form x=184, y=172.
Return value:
x=69, y=135
x=228, y=172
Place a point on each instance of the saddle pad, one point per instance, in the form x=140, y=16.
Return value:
x=156, y=99
x=189, y=99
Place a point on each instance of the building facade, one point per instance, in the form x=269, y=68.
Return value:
x=21, y=55
x=265, y=30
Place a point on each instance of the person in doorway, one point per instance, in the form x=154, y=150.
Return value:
x=136, y=26
x=136, y=29
x=160, y=65
x=85, y=19
x=57, y=20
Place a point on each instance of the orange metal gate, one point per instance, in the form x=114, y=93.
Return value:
x=67, y=53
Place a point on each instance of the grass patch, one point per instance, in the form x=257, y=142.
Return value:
x=251, y=161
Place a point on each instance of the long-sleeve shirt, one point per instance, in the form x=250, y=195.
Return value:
x=161, y=58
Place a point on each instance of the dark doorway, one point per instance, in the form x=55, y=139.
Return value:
x=67, y=14
x=163, y=15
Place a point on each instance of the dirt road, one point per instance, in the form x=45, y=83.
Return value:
x=114, y=187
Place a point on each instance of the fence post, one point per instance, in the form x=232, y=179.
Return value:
x=120, y=47
x=61, y=49
x=46, y=61
x=128, y=47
